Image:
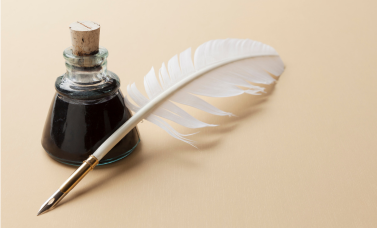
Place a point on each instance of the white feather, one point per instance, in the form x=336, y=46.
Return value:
x=221, y=68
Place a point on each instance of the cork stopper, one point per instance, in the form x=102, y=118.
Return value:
x=85, y=37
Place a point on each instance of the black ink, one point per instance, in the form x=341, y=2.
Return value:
x=74, y=131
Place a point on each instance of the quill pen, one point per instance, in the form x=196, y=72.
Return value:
x=221, y=68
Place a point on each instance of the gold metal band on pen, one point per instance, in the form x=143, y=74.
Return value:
x=80, y=173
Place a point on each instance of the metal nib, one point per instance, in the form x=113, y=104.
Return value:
x=52, y=202
x=69, y=184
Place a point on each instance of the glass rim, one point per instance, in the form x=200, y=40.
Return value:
x=101, y=54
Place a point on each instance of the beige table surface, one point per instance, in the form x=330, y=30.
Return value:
x=303, y=156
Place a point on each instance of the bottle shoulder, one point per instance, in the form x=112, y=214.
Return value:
x=108, y=86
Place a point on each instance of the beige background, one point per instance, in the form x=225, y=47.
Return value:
x=304, y=156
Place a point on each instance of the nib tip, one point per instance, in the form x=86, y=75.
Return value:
x=51, y=202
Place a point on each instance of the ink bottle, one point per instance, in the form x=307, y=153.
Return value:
x=88, y=105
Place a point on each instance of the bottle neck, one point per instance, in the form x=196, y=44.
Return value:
x=87, y=78
x=86, y=70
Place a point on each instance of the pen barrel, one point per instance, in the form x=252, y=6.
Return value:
x=87, y=166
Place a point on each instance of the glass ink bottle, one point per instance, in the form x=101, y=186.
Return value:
x=88, y=105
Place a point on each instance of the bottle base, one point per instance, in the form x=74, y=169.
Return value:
x=102, y=162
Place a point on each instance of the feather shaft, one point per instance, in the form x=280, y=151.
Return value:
x=155, y=103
